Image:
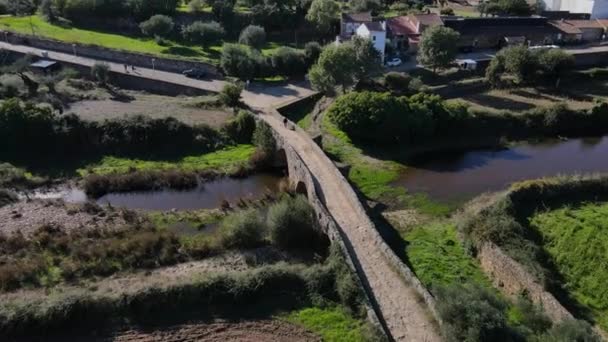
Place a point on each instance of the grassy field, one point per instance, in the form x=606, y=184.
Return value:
x=224, y=160
x=173, y=49
x=438, y=257
x=332, y=324
x=577, y=240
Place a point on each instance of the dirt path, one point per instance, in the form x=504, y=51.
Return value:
x=405, y=313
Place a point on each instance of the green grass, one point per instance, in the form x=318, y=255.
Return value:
x=332, y=324
x=438, y=257
x=146, y=45
x=577, y=240
x=374, y=177
x=225, y=160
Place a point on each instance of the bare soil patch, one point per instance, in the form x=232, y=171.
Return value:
x=153, y=106
x=27, y=216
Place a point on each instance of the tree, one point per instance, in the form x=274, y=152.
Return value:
x=367, y=58
x=438, y=47
x=48, y=10
x=344, y=65
x=323, y=13
x=287, y=61
x=230, y=95
x=241, y=61
x=23, y=8
x=21, y=68
x=100, y=72
x=157, y=26
x=254, y=36
x=312, y=50
x=506, y=7
x=196, y=6
x=203, y=33
x=555, y=62
x=141, y=9
x=517, y=61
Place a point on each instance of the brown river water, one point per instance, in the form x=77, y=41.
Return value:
x=458, y=176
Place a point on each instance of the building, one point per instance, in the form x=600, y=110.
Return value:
x=579, y=31
x=404, y=31
x=363, y=25
x=597, y=9
x=376, y=32
x=497, y=32
x=350, y=22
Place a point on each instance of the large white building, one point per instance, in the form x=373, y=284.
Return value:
x=376, y=32
x=598, y=9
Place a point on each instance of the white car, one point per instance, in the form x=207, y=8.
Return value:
x=543, y=47
x=393, y=62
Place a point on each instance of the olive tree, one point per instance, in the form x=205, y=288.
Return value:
x=438, y=47
x=322, y=13
x=157, y=26
x=204, y=33
x=254, y=36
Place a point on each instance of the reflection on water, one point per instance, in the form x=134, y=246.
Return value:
x=206, y=196
x=462, y=175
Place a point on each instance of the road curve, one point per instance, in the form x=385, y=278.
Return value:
x=405, y=314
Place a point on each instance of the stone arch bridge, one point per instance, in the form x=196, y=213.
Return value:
x=400, y=303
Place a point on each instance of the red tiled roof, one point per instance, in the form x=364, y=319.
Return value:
x=603, y=23
x=565, y=26
x=585, y=23
x=428, y=19
x=401, y=26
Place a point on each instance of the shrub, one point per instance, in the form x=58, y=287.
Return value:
x=241, y=127
x=263, y=138
x=570, y=330
x=99, y=185
x=203, y=33
x=157, y=26
x=397, y=81
x=446, y=11
x=471, y=313
x=254, y=36
x=230, y=95
x=197, y=6
x=527, y=318
x=312, y=51
x=292, y=223
x=7, y=197
x=100, y=72
x=241, y=61
x=289, y=62
x=243, y=229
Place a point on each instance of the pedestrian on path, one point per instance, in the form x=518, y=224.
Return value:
x=126, y=68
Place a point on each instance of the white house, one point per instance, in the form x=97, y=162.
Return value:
x=598, y=9
x=376, y=32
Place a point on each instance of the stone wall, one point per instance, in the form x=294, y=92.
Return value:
x=118, y=56
x=512, y=278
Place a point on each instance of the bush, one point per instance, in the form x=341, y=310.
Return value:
x=312, y=51
x=99, y=185
x=242, y=229
x=101, y=72
x=230, y=95
x=292, y=223
x=157, y=26
x=397, y=81
x=263, y=138
x=203, y=33
x=241, y=128
x=254, y=36
x=289, y=62
x=7, y=197
x=197, y=6
x=527, y=318
x=446, y=11
x=241, y=61
x=570, y=330
x=471, y=313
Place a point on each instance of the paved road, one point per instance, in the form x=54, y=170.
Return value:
x=405, y=313
x=257, y=95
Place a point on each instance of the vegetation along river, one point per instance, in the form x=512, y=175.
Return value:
x=457, y=176
x=206, y=196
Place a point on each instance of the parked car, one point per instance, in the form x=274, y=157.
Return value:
x=194, y=73
x=393, y=62
x=543, y=47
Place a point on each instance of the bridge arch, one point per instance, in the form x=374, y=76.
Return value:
x=301, y=189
